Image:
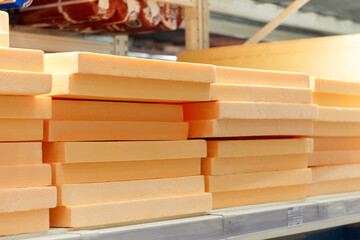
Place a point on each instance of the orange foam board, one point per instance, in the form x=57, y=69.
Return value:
x=24, y=222
x=4, y=22
x=129, y=211
x=337, y=114
x=249, y=127
x=21, y=153
x=26, y=199
x=246, y=181
x=333, y=187
x=336, y=143
x=336, y=100
x=93, y=193
x=82, y=152
x=259, y=147
x=234, y=165
x=336, y=129
x=124, y=171
x=24, y=83
x=261, y=77
x=21, y=130
x=336, y=87
x=18, y=59
x=115, y=111
x=85, y=86
x=330, y=173
x=88, y=63
x=4, y=39
x=254, y=93
x=23, y=176
x=323, y=158
x=25, y=107
x=257, y=196
x=114, y=130
x=248, y=110
x=317, y=56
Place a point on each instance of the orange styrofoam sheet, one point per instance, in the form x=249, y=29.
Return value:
x=4, y=39
x=82, y=152
x=324, y=158
x=24, y=222
x=26, y=199
x=21, y=130
x=18, y=59
x=20, y=153
x=248, y=110
x=317, y=56
x=124, y=171
x=93, y=193
x=336, y=87
x=336, y=143
x=336, y=100
x=257, y=196
x=259, y=147
x=24, y=83
x=85, y=86
x=333, y=187
x=114, y=130
x=337, y=114
x=336, y=172
x=101, y=64
x=249, y=127
x=336, y=129
x=234, y=165
x=22, y=176
x=261, y=77
x=242, y=92
x=4, y=22
x=25, y=107
x=115, y=111
x=130, y=211
x=246, y=181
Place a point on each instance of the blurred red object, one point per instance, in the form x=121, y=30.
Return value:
x=103, y=15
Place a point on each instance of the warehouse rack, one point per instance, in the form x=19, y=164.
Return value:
x=264, y=221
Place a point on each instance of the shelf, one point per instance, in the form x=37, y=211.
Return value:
x=262, y=221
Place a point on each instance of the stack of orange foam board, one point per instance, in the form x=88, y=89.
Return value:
x=117, y=162
x=4, y=29
x=335, y=162
x=25, y=182
x=257, y=104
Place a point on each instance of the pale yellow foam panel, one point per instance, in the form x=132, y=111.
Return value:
x=100, y=64
x=82, y=152
x=259, y=77
x=18, y=59
x=336, y=129
x=24, y=83
x=242, y=92
x=4, y=22
x=337, y=114
x=130, y=211
x=249, y=127
x=4, y=40
x=87, y=86
x=248, y=110
x=94, y=193
x=317, y=56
